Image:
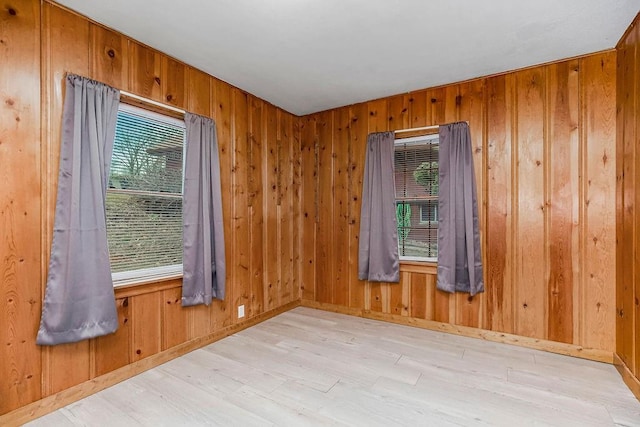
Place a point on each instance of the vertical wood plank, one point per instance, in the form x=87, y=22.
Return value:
x=109, y=57
x=324, y=228
x=308, y=247
x=628, y=100
x=634, y=302
x=398, y=293
x=199, y=92
x=256, y=203
x=340, y=231
x=622, y=53
x=297, y=210
x=499, y=250
x=174, y=82
x=530, y=310
x=146, y=325
x=20, y=204
x=598, y=80
x=177, y=321
x=240, y=219
x=145, y=71
x=430, y=303
x=270, y=174
x=562, y=199
x=112, y=351
x=418, y=109
x=418, y=307
x=285, y=169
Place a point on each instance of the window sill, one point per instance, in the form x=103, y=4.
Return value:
x=425, y=267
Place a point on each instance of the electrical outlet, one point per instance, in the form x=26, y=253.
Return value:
x=240, y=311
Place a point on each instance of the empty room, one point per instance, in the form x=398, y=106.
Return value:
x=311, y=212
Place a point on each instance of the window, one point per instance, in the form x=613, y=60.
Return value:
x=416, y=175
x=429, y=212
x=144, y=196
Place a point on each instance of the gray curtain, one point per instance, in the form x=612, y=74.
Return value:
x=378, y=259
x=459, y=256
x=204, y=258
x=79, y=301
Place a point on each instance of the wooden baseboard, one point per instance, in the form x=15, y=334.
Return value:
x=56, y=401
x=538, y=344
x=627, y=376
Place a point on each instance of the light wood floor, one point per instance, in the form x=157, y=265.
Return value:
x=309, y=367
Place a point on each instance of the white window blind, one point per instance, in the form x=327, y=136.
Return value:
x=144, y=198
x=416, y=175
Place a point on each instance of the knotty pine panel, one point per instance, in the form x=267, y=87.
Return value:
x=629, y=275
x=418, y=109
x=598, y=83
x=256, y=147
x=296, y=205
x=531, y=310
x=109, y=57
x=146, y=325
x=175, y=328
x=622, y=241
x=627, y=195
x=145, y=71
x=240, y=219
x=635, y=302
x=500, y=246
x=270, y=179
x=199, y=99
x=285, y=187
x=113, y=351
x=20, y=206
x=341, y=162
x=174, y=82
x=309, y=182
x=562, y=200
x=324, y=227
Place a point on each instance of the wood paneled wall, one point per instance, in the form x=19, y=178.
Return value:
x=259, y=148
x=544, y=144
x=628, y=196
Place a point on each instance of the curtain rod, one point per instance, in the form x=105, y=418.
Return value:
x=152, y=102
x=418, y=129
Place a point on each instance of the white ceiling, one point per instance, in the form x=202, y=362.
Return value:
x=311, y=55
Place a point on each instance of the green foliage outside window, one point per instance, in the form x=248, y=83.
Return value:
x=403, y=215
x=426, y=174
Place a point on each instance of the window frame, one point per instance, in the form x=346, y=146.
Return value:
x=166, y=272
x=427, y=139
